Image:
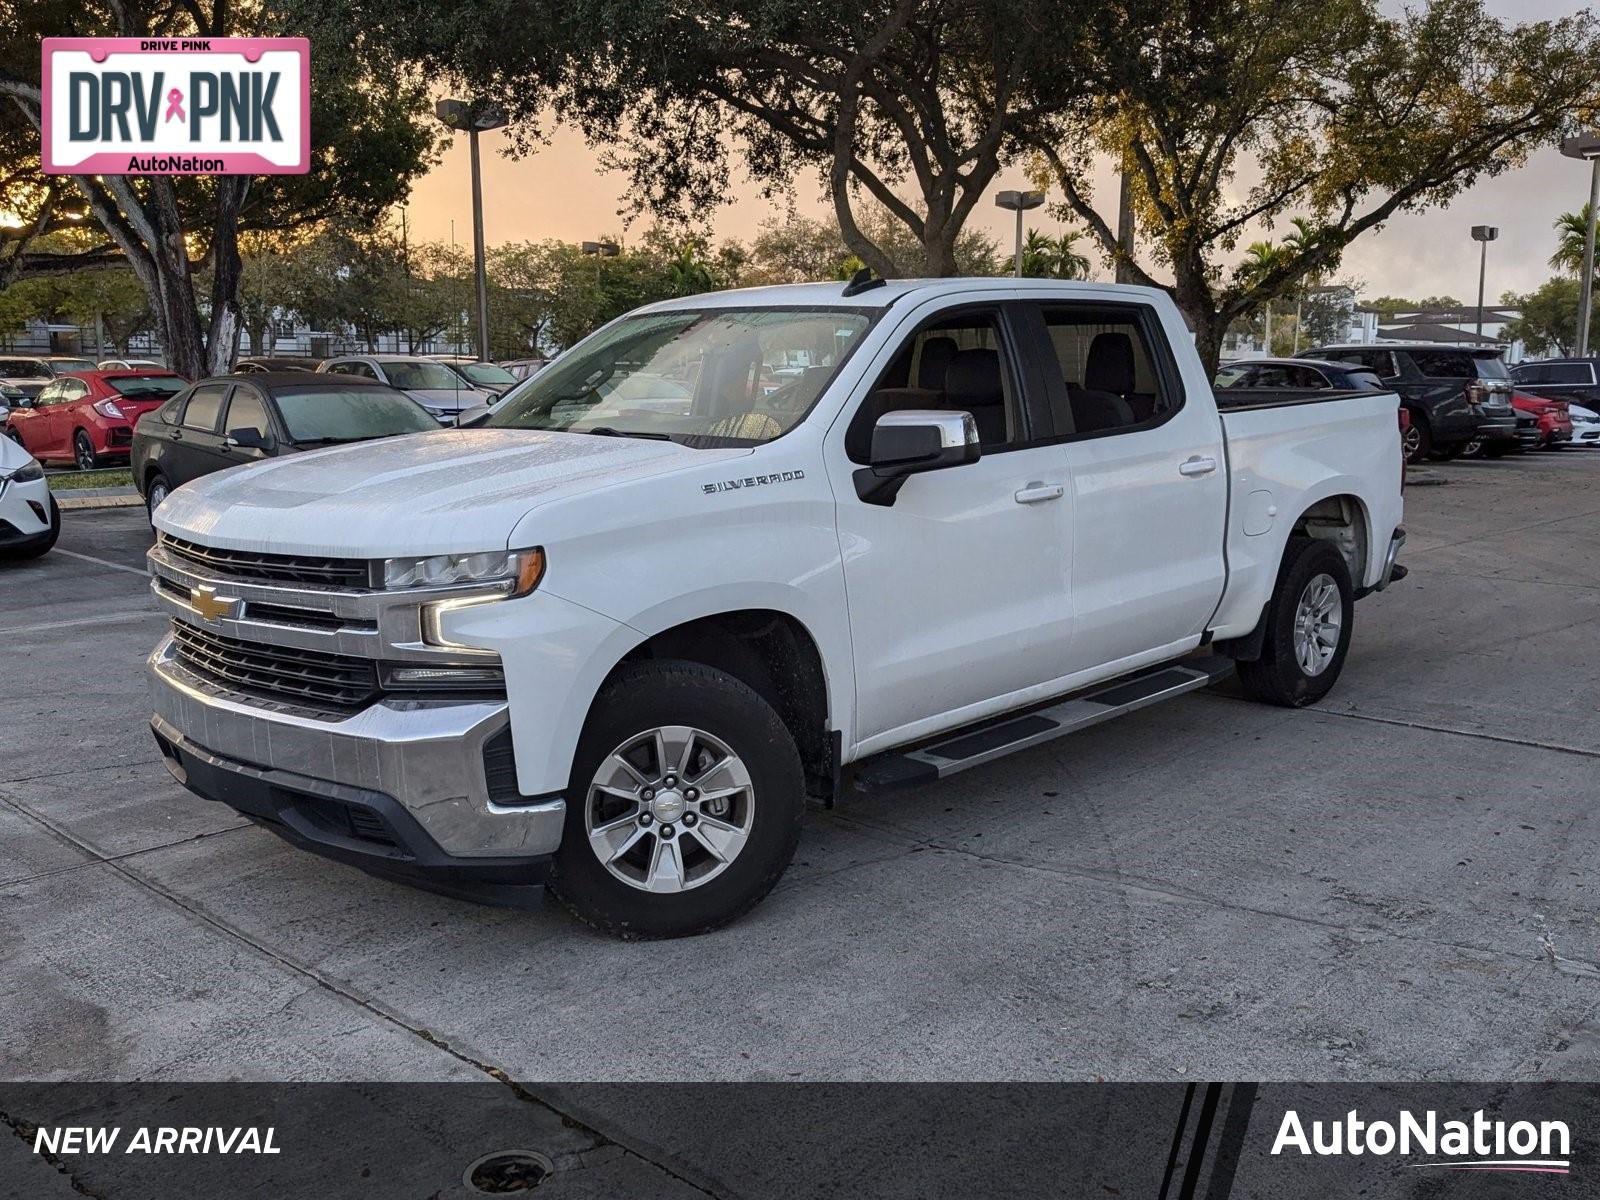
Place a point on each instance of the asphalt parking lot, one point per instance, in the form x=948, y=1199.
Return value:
x=1396, y=885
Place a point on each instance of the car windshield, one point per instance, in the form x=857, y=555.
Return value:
x=486, y=373
x=62, y=365
x=350, y=414
x=703, y=377
x=422, y=376
x=147, y=387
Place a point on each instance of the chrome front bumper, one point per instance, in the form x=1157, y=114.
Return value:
x=427, y=756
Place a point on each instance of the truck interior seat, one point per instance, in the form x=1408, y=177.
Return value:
x=1108, y=379
x=973, y=382
x=934, y=361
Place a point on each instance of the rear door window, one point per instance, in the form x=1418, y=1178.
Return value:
x=1443, y=364
x=1115, y=383
x=205, y=406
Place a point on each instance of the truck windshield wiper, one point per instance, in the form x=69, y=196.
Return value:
x=612, y=431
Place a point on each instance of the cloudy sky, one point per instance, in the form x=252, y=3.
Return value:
x=561, y=193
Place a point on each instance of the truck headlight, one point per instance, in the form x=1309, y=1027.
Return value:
x=507, y=572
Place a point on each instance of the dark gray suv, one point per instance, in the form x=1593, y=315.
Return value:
x=1457, y=398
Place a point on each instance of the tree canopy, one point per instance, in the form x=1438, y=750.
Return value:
x=370, y=137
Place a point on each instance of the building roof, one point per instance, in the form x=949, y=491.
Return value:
x=1442, y=334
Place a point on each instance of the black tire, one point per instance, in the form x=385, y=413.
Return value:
x=156, y=489
x=1418, y=440
x=648, y=696
x=1496, y=450
x=11, y=432
x=1448, y=453
x=83, y=455
x=42, y=544
x=1278, y=677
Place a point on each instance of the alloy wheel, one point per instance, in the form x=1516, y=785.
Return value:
x=669, y=809
x=1318, y=619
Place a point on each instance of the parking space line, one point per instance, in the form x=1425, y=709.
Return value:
x=109, y=619
x=105, y=562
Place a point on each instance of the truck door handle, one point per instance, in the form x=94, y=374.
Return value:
x=1197, y=466
x=1038, y=493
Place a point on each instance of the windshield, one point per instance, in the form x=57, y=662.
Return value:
x=1491, y=366
x=487, y=373
x=61, y=365
x=422, y=376
x=710, y=377
x=349, y=415
x=147, y=387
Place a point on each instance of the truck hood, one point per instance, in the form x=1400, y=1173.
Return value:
x=455, y=491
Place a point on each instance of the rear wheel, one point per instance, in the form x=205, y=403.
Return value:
x=1417, y=439
x=684, y=806
x=83, y=452
x=1309, y=622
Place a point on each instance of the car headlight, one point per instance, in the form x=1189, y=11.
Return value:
x=508, y=572
x=28, y=472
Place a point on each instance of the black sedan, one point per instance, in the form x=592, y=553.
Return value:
x=236, y=419
x=1285, y=373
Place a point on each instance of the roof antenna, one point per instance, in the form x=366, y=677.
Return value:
x=862, y=281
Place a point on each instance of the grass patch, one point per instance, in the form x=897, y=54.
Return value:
x=91, y=479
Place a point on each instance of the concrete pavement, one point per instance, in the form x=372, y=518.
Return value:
x=1395, y=885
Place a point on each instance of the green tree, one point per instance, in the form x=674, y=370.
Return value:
x=1046, y=257
x=1345, y=115
x=1549, y=321
x=371, y=134
x=1571, y=229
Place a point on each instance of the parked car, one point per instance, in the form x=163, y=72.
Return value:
x=1571, y=379
x=1585, y=425
x=1309, y=374
x=522, y=368
x=486, y=376
x=128, y=364
x=237, y=419
x=30, y=522
x=29, y=375
x=616, y=648
x=1456, y=398
x=273, y=363
x=88, y=418
x=430, y=383
x=1550, y=418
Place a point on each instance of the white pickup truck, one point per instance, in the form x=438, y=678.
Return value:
x=740, y=549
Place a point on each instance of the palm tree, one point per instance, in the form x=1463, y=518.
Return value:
x=1571, y=228
x=1045, y=257
x=1259, y=258
x=1298, y=242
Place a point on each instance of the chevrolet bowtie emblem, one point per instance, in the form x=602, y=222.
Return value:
x=211, y=606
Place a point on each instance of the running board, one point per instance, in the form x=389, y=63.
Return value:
x=996, y=738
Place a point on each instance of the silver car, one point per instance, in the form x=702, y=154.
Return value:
x=427, y=381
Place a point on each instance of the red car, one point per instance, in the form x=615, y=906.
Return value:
x=87, y=417
x=1555, y=422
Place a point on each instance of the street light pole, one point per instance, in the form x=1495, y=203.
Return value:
x=1483, y=235
x=473, y=119
x=1586, y=147
x=1019, y=202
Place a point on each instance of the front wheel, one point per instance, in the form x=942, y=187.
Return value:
x=1309, y=621
x=684, y=806
x=83, y=452
x=154, y=493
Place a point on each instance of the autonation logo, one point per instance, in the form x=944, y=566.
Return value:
x=1478, y=1144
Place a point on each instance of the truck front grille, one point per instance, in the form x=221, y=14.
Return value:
x=274, y=568
x=311, y=677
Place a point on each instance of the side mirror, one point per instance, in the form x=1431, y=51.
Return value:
x=248, y=439
x=24, y=402
x=912, y=441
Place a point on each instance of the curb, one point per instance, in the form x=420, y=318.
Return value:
x=70, y=504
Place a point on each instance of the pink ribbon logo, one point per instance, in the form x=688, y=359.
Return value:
x=175, y=105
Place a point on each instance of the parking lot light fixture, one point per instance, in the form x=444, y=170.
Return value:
x=473, y=119
x=1586, y=146
x=1019, y=202
x=1483, y=235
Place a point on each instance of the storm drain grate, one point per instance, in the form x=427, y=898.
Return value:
x=508, y=1171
